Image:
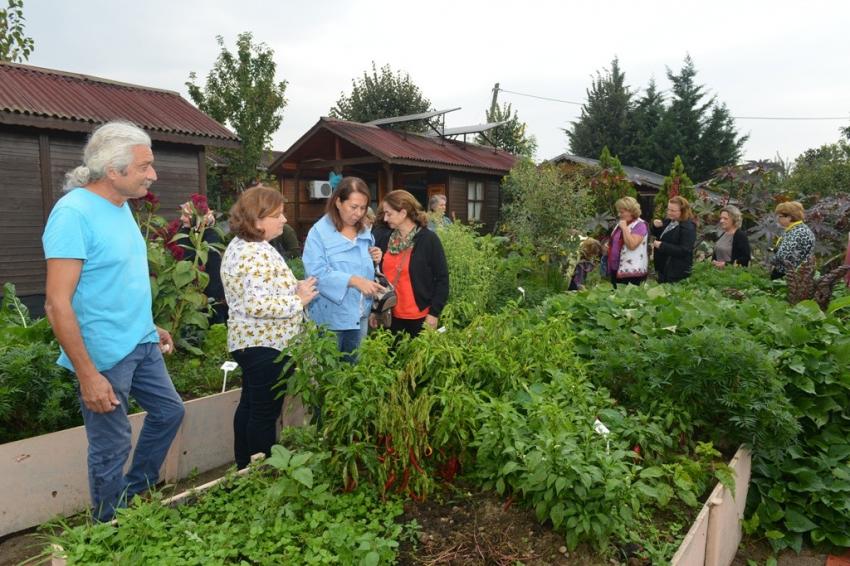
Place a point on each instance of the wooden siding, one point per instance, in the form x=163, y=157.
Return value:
x=490, y=214
x=25, y=201
x=457, y=199
x=21, y=213
x=177, y=176
x=301, y=211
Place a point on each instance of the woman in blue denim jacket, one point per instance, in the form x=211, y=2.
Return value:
x=340, y=252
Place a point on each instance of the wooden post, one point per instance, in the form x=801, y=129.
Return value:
x=297, y=195
x=388, y=173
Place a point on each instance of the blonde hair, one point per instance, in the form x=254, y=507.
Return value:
x=630, y=205
x=793, y=209
x=684, y=207
x=734, y=214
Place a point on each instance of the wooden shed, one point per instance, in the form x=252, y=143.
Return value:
x=45, y=118
x=469, y=175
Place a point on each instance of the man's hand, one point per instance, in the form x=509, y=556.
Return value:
x=97, y=393
x=166, y=343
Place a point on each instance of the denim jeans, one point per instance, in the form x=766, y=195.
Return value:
x=143, y=376
x=255, y=421
x=349, y=340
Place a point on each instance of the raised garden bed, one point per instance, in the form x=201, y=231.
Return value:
x=46, y=475
x=475, y=527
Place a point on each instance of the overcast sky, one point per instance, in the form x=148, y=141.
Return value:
x=777, y=58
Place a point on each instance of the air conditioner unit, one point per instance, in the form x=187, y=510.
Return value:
x=320, y=189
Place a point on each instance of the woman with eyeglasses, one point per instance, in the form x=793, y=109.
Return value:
x=797, y=242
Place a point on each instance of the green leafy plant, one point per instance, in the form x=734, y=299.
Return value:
x=177, y=284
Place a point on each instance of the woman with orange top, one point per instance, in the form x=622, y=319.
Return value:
x=415, y=263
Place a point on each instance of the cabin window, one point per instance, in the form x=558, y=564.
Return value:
x=474, y=200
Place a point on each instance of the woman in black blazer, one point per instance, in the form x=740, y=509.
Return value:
x=414, y=262
x=733, y=245
x=675, y=240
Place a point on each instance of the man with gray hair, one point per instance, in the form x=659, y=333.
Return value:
x=99, y=305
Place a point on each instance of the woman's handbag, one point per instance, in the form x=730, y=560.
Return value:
x=383, y=303
x=386, y=300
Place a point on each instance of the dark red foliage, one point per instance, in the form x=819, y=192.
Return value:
x=200, y=203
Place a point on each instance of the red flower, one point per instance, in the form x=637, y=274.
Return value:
x=176, y=251
x=200, y=203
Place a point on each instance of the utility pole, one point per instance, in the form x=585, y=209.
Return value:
x=494, y=102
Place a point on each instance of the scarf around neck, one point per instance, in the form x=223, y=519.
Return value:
x=399, y=243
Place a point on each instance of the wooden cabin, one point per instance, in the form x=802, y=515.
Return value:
x=45, y=118
x=469, y=175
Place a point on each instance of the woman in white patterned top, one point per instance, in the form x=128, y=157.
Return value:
x=266, y=311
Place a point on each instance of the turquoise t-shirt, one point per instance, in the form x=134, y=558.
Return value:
x=113, y=297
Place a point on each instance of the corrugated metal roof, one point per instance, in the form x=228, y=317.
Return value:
x=634, y=174
x=75, y=99
x=393, y=146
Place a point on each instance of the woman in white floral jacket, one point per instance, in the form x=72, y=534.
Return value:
x=266, y=311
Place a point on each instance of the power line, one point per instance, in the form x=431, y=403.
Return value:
x=795, y=118
x=541, y=97
x=791, y=118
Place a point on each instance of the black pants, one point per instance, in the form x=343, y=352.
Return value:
x=411, y=326
x=627, y=280
x=259, y=407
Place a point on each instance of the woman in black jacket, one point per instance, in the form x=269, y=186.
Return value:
x=733, y=246
x=414, y=262
x=675, y=240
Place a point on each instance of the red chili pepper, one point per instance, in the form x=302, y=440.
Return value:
x=508, y=503
x=405, y=478
x=390, y=482
x=414, y=461
x=413, y=496
x=388, y=443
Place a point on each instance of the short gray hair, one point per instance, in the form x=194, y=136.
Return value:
x=734, y=214
x=435, y=200
x=109, y=147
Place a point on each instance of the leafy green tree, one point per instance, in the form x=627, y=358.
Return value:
x=610, y=182
x=531, y=194
x=241, y=92
x=382, y=94
x=15, y=46
x=696, y=128
x=824, y=171
x=511, y=136
x=676, y=184
x=605, y=117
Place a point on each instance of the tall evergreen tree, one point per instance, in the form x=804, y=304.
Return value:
x=697, y=129
x=647, y=145
x=511, y=136
x=677, y=183
x=604, y=119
